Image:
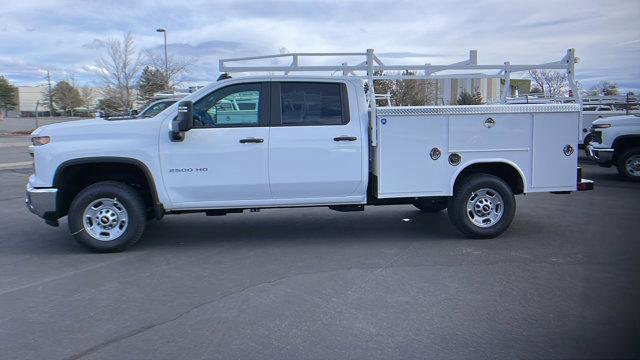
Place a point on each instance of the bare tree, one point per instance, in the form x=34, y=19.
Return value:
x=407, y=92
x=606, y=88
x=87, y=94
x=119, y=69
x=176, y=67
x=551, y=83
x=382, y=87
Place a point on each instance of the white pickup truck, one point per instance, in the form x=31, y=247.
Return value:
x=291, y=141
x=616, y=141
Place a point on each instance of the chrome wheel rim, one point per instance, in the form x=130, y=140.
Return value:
x=485, y=207
x=632, y=165
x=105, y=219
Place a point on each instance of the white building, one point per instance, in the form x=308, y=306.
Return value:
x=29, y=97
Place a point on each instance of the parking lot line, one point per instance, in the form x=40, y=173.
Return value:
x=15, y=144
x=15, y=165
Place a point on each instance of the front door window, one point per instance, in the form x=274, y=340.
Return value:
x=232, y=106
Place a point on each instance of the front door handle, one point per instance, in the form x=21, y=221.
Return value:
x=251, y=140
x=345, y=138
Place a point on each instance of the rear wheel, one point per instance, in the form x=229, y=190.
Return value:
x=629, y=164
x=483, y=206
x=431, y=205
x=107, y=217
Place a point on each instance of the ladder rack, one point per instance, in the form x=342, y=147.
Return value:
x=372, y=68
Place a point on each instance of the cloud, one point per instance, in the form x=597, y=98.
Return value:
x=69, y=42
x=94, y=44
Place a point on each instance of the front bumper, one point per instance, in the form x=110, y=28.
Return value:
x=42, y=202
x=600, y=156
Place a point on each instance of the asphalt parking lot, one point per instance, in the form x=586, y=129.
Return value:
x=387, y=283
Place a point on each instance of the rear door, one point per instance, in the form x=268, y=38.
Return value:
x=315, y=146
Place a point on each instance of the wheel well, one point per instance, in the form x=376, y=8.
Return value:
x=71, y=178
x=623, y=143
x=504, y=171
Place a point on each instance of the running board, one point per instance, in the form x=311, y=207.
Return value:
x=346, y=208
x=222, y=212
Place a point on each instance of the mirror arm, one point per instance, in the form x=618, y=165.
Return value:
x=176, y=136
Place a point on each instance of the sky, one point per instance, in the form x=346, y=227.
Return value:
x=66, y=37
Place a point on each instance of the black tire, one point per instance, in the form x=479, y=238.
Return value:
x=431, y=205
x=621, y=163
x=586, y=142
x=125, y=197
x=461, y=218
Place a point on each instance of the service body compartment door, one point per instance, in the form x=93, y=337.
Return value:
x=490, y=132
x=406, y=168
x=551, y=169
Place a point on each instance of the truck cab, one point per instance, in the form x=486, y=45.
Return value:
x=286, y=141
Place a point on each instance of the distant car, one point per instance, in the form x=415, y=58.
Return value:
x=155, y=108
x=151, y=110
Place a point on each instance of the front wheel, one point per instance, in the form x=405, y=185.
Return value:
x=483, y=206
x=629, y=164
x=107, y=217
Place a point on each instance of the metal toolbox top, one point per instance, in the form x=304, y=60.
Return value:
x=477, y=109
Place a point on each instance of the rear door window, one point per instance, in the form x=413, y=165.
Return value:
x=313, y=104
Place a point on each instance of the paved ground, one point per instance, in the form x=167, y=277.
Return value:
x=14, y=153
x=389, y=283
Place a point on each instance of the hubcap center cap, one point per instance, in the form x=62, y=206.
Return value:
x=107, y=218
x=483, y=207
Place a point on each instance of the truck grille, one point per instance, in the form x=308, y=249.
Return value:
x=596, y=136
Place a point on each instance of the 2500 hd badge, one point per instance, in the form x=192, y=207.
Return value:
x=188, y=170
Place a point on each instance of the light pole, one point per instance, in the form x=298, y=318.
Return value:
x=166, y=63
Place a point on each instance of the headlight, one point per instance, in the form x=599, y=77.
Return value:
x=40, y=140
x=601, y=126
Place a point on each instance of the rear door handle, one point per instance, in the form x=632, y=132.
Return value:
x=345, y=138
x=251, y=140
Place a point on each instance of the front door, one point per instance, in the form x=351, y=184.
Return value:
x=316, y=153
x=223, y=160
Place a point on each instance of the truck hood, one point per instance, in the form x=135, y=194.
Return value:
x=619, y=120
x=91, y=126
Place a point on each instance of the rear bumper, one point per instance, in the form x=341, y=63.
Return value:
x=600, y=156
x=583, y=184
x=42, y=202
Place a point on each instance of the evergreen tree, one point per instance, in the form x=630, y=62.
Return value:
x=8, y=95
x=152, y=81
x=467, y=98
